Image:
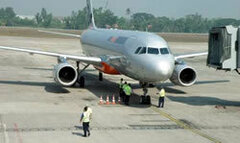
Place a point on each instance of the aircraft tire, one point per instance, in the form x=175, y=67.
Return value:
x=100, y=76
x=81, y=82
x=151, y=85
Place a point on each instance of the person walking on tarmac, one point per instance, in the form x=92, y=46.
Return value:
x=90, y=112
x=128, y=91
x=161, y=95
x=85, y=119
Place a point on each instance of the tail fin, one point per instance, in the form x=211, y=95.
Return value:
x=90, y=16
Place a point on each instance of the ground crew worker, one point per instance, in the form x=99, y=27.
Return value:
x=161, y=98
x=121, y=88
x=128, y=91
x=85, y=119
x=90, y=113
x=123, y=92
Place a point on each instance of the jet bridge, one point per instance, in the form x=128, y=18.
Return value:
x=224, y=48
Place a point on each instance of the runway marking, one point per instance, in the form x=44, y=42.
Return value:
x=184, y=126
x=6, y=137
x=18, y=133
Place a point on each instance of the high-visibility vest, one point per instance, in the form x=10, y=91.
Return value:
x=85, y=117
x=90, y=112
x=162, y=93
x=124, y=86
x=128, y=90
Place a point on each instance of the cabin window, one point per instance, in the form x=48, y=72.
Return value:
x=164, y=51
x=138, y=49
x=153, y=51
x=143, y=51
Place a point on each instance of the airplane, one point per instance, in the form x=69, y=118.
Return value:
x=143, y=56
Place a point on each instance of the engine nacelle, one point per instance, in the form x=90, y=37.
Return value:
x=183, y=75
x=65, y=74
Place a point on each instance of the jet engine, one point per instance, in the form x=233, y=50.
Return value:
x=183, y=75
x=65, y=74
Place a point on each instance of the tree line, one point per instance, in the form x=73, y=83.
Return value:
x=105, y=18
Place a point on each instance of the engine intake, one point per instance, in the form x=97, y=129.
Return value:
x=183, y=75
x=65, y=74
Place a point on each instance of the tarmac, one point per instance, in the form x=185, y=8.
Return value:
x=34, y=109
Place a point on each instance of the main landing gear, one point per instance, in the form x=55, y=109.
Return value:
x=81, y=79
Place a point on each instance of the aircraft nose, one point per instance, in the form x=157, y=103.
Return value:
x=164, y=69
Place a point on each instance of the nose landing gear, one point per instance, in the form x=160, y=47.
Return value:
x=145, y=99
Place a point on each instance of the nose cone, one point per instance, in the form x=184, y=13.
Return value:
x=164, y=68
x=161, y=70
x=149, y=68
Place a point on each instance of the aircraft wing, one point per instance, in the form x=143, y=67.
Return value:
x=192, y=55
x=59, y=33
x=85, y=59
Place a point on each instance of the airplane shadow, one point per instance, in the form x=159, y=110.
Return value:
x=109, y=88
x=202, y=101
x=49, y=87
x=171, y=90
x=168, y=86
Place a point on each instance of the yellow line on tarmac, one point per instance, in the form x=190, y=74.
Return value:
x=185, y=126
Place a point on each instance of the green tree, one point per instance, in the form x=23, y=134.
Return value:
x=7, y=16
x=161, y=24
x=76, y=21
x=9, y=13
x=104, y=17
x=141, y=20
x=38, y=18
x=44, y=19
x=225, y=21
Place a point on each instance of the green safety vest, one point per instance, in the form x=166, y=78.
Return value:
x=162, y=93
x=127, y=90
x=124, y=86
x=86, y=117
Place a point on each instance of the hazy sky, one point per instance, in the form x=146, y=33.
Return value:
x=170, y=8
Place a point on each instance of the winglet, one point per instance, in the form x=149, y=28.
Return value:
x=90, y=15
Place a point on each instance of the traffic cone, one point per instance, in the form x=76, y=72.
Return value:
x=101, y=100
x=107, y=101
x=119, y=100
x=113, y=100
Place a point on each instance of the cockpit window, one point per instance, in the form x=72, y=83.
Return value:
x=164, y=51
x=138, y=49
x=143, y=51
x=153, y=51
